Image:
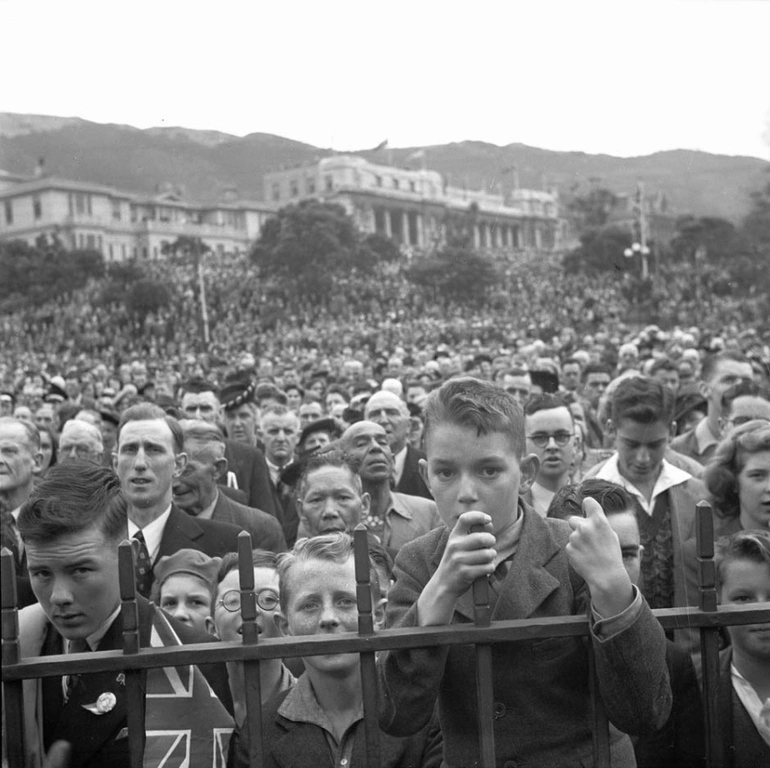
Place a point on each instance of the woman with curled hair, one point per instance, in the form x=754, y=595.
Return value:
x=738, y=478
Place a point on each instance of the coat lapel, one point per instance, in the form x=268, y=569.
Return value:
x=179, y=532
x=529, y=583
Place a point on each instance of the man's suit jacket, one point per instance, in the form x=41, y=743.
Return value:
x=681, y=741
x=182, y=531
x=411, y=481
x=265, y=530
x=251, y=472
x=541, y=687
x=743, y=746
x=93, y=737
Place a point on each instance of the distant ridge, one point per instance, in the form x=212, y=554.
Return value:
x=203, y=164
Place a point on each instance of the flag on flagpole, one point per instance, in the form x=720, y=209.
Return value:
x=418, y=154
x=382, y=145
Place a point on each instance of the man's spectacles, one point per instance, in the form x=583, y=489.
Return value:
x=541, y=439
x=267, y=600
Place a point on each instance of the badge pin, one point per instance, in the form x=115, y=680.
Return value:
x=104, y=704
x=120, y=679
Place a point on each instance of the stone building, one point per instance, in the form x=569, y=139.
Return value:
x=418, y=208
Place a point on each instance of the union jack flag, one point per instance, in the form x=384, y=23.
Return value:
x=187, y=726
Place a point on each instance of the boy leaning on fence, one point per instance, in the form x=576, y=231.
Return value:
x=475, y=469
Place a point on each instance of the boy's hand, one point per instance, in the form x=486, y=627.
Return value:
x=467, y=556
x=594, y=552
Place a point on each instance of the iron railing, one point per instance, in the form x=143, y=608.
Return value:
x=709, y=619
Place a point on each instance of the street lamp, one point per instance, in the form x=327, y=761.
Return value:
x=644, y=251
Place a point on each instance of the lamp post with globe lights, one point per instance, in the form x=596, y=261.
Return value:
x=642, y=249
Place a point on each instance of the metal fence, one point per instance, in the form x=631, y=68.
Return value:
x=709, y=619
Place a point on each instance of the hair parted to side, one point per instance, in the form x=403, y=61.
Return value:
x=568, y=501
x=711, y=363
x=721, y=474
x=332, y=547
x=152, y=412
x=544, y=402
x=71, y=498
x=753, y=546
x=260, y=558
x=478, y=405
x=643, y=400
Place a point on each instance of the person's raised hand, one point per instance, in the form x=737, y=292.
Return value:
x=594, y=552
x=469, y=554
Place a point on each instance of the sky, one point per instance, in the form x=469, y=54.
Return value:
x=624, y=78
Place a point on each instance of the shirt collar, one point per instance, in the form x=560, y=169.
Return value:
x=399, y=460
x=152, y=532
x=396, y=505
x=95, y=638
x=541, y=499
x=704, y=436
x=207, y=512
x=508, y=542
x=668, y=477
x=301, y=706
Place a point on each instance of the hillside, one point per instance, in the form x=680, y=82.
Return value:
x=205, y=163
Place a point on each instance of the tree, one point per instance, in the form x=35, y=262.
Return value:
x=592, y=211
x=186, y=249
x=45, y=270
x=146, y=296
x=310, y=244
x=456, y=273
x=600, y=250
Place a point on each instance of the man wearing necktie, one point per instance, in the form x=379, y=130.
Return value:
x=72, y=526
x=148, y=458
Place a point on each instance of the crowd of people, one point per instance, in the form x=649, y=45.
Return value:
x=547, y=443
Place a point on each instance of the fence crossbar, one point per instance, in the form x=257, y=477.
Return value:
x=133, y=660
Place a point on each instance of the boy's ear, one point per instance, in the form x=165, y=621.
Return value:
x=209, y=626
x=366, y=503
x=672, y=431
x=281, y=623
x=611, y=430
x=423, y=466
x=529, y=466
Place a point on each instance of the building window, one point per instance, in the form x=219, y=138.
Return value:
x=37, y=208
x=294, y=188
x=123, y=251
x=100, y=243
x=112, y=255
x=90, y=241
x=412, y=186
x=276, y=192
x=329, y=183
x=155, y=252
x=396, y=183
x=310, y=186
x=378, y=180
x=88, y=205
x=116, y=215
x=9, y=212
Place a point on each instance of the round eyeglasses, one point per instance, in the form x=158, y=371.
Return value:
x=267, y=600
x=540, y=439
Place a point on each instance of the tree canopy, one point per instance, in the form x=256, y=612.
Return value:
x=311, y=243
x=456, y=273
x=44, y=271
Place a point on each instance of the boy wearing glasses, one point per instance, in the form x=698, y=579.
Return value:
x=273, y=675
x=550, y=437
